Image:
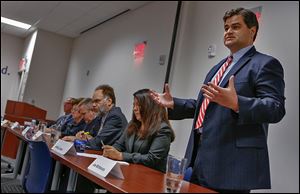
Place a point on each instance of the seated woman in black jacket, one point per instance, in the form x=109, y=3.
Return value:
x=148, y=136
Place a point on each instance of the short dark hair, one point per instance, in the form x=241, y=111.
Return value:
x=249, y=18
x=108, y=91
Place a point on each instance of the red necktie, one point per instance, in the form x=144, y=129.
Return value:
x=206, y=101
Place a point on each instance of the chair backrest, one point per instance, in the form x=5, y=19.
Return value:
x=39, y=174
x=188, y=174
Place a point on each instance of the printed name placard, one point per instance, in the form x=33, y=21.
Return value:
x=37, y=136
x=103, y=166
x=15, y=125
x=4, y=122
x=25, y=130
x=62, y=147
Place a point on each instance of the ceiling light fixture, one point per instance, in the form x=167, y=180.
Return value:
x=15, y=23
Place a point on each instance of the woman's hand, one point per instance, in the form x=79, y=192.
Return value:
x=69, y=138
x=111, y=152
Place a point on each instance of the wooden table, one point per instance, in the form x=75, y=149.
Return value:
x=138, y=178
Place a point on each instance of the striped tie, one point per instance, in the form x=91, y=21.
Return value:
x=206, y=101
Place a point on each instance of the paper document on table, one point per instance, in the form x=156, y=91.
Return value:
x=88, y=155
x=96, y=156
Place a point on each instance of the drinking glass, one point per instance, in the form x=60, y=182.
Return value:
x=174, y=174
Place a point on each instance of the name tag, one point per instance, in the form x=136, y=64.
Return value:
x=4, y=122
x=103, y=166
x=62, y=147
x=38, y=135
x=26, y=130
x=15, y=125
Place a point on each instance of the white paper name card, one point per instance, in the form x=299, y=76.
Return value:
x=15, y=125
x=37, y=136
x=4, y=122
x=62, y=147
x=25, y=130
x=103, y=166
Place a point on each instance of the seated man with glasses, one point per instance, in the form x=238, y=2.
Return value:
x=112, y=120
x=112, y=124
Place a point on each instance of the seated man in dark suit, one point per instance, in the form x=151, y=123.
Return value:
x=92, y=122
x=66, y=118
x=75, y=125
x=148, y=137
x=112, y=124
x=68, y=105
x=112, y=120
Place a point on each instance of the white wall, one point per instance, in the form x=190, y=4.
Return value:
x=11, y=53
x=201, y=25
x=47, y=74
x=107, y=53
x=27, y=54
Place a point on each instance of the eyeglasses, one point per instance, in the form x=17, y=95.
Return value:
x=97, y=101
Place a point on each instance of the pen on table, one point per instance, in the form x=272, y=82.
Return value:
x=102, y=143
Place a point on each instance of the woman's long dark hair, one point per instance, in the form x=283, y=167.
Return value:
x=152, y=116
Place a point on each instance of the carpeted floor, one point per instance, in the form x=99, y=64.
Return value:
x=9, y=185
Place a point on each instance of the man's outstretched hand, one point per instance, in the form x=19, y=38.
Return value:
x=223, y=96
x=165, y=99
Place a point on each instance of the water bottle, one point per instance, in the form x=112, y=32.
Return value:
x=42, y=127
x=33, y=125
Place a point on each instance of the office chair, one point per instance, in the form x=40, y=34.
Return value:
x=40, y=168
x=188, y=174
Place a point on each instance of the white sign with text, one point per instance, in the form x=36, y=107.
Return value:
x=37, y=136
x=62, y=147
x=25, y=130
x=103, y=166
x=4, y=122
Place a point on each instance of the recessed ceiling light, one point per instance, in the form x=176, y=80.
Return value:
x=15, y=23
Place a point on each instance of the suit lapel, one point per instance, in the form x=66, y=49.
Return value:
x=208, y=78
x=213, y=71
x=242, y=62
x=131, y=142
x=233, y=71
x=139, y=144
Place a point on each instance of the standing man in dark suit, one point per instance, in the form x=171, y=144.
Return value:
x=240, y=96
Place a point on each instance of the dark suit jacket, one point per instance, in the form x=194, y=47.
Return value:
x=233, y=152
x=152, y=152
x=113, y=127
x=71, y=128
x=93, y=126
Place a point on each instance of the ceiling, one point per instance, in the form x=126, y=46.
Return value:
x=68, y=18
